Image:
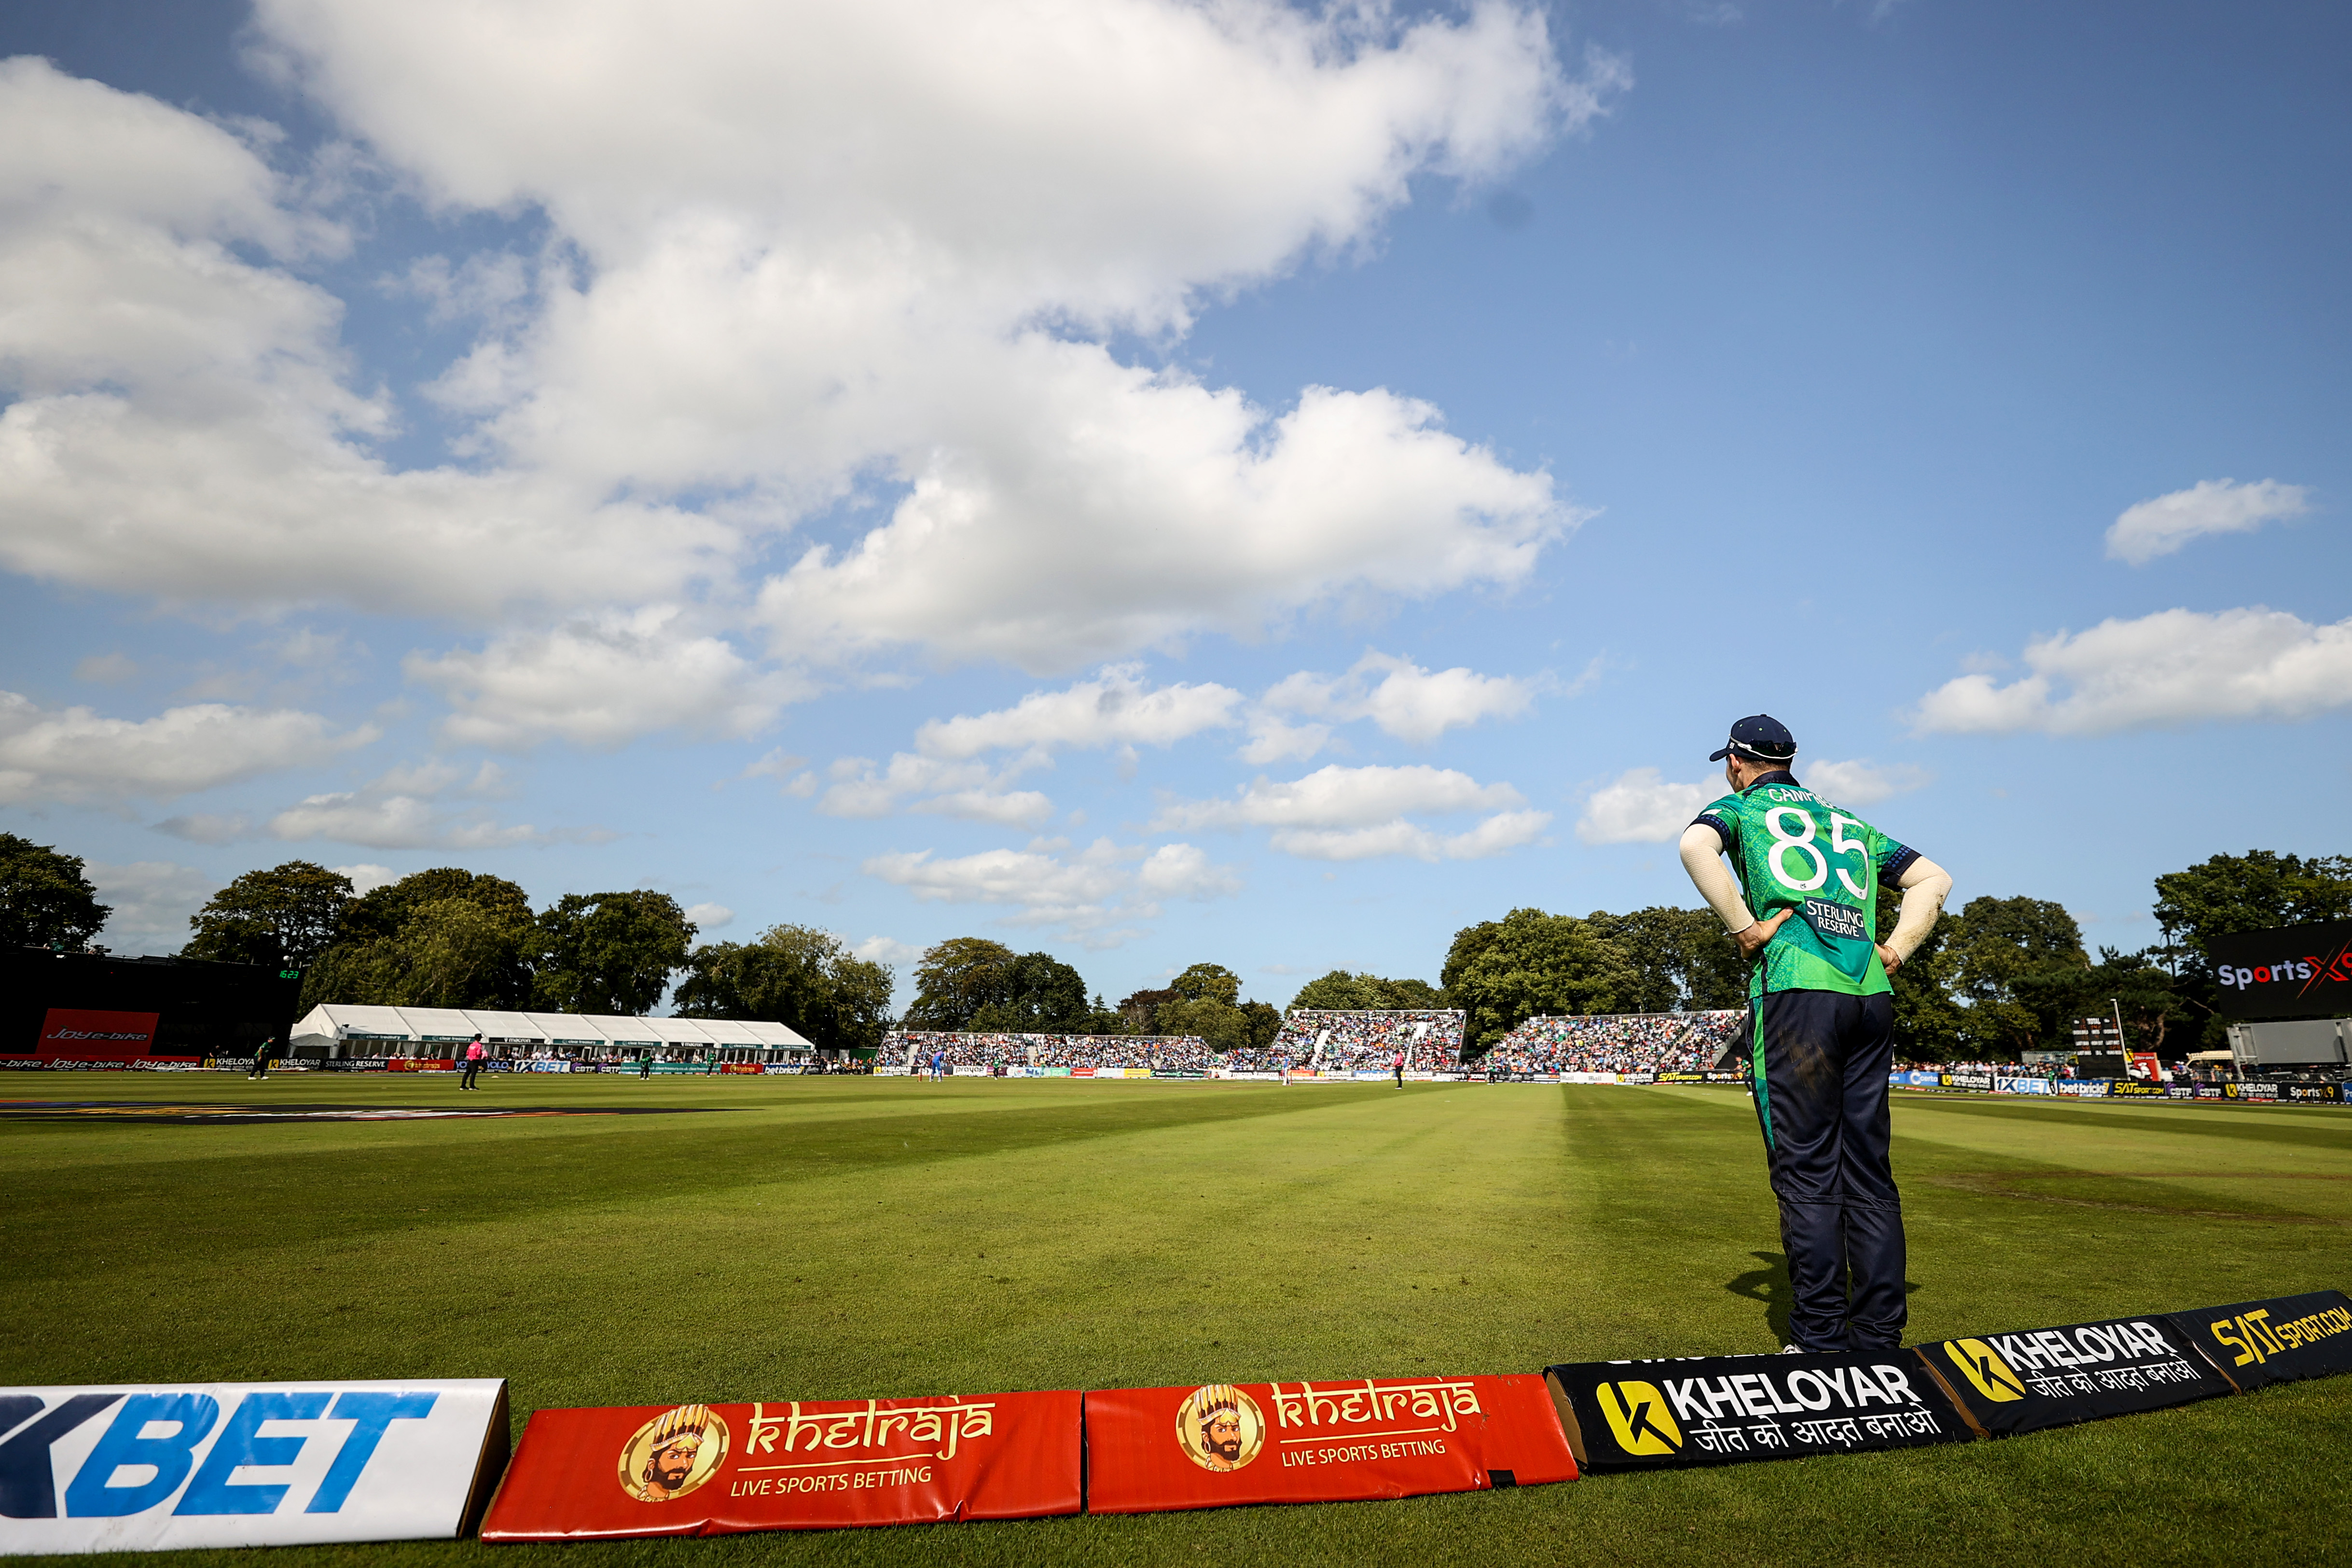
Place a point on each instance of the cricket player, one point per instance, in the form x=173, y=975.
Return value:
x=1804, y=910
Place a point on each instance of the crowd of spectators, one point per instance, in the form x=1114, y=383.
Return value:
x=1621, y=1042
x=970, y=1052
x=1333, y=1041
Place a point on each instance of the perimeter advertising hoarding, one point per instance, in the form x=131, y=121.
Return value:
x=160, y=1467
x=2299, y=972
x=2276, y=1340
x=1728, y=1410
x=2009, y=1384
x=723, y=1469
x=1149, y=1450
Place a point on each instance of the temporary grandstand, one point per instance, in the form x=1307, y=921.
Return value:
x=1368, y=1039
x=1620, y=1042
x=980, y=1052
x=334, y=1029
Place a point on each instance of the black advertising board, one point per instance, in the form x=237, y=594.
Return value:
x=52, y=1003
x=2276, y=1340
x=2026, y=1382
x=1728, y=1410
x=2299, y=972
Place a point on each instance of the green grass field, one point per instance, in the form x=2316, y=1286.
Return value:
x=846, y=1237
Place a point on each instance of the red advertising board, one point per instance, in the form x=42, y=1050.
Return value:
x=79, y=1033
x=1151, y=1450
x=720, y=1470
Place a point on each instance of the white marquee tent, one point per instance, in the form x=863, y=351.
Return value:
x=335, y=1029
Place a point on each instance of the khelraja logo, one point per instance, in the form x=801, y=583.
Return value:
x=1994, y=1378
x=1637, y=1417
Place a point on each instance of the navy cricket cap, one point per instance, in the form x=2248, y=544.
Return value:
x=1760, y=738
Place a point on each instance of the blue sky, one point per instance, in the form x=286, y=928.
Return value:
x=1281, y=488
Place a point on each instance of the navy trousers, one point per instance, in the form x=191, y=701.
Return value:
x=1820, y=1060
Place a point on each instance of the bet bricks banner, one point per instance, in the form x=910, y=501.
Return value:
x=2008, y=1384
x=2276, y=1340
x=1728, y=1410
x=246, y=1464
x=1149, y=1450
x=721, y=1469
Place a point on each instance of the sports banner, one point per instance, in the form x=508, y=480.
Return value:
x=1149, y=1450
x=79, y=1034
x=2300, y=971
x=2009, y=1384
x=160, y=1467
x=2276, y=1340
x=721, y=1469
x=1728, y=1410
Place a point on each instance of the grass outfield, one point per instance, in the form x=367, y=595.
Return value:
x=846, y=1237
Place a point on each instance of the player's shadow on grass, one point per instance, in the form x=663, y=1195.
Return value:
x=1770, y=1286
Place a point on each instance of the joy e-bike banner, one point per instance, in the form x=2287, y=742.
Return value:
x=1728, y=1410
x=720, y=1470
x=2026, y=1382
x=1154, y=1449
x=246, y=1464
x=2276, y=1340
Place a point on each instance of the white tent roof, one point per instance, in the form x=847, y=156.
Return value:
x=567, y=1029
x=348, y=1021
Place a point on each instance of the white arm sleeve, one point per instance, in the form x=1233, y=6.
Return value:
x=1925, y=886
x=1702, y=851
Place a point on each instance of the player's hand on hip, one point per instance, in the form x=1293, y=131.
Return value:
x=1890, y=958
x=1762, y=931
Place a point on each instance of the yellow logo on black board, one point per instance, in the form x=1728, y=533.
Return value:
x=1638, y=1416
x=1994, y=1378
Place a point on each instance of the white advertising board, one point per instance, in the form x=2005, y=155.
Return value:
x=149, y=1467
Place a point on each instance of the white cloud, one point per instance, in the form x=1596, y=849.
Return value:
x=709, y=916
x=2161, y=526
x=2173, y=667
x=181, y=422
x=73, y=754
x=1116, y=707
x=887, y=949
x=601, y=682
x=1352, y=813
x=1640, y=807
x=398, y=811
x=367, y=877
x=1404, y=699
x=107, y=669
x=1089, y=895
x=1862, y=783
x=1338, y=797
x=152, y=901
x=971, y=790
x=1014, y=809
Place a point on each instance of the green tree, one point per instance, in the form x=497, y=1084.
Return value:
x=283, y=916
x=1138, y=1011
x=1264, y=1022
x=1928, y=1021
x=955, y=979
x=1501, y=972
x=1040, y=995
x=442, y=938
x=2156, y=1015
x=44, y=900
x=2259, y=891
x=806, y=979
x=1364, y=992
x=2018, y=966
x=1685, y=959
x=1208, y=983
x=610, y=952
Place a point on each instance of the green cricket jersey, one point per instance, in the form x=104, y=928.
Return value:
x=1794, y=851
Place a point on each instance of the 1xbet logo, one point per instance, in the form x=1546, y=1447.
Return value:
x=148, y=1451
